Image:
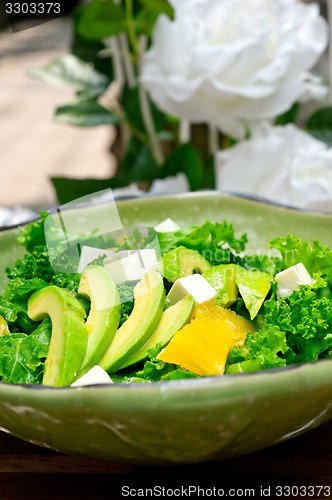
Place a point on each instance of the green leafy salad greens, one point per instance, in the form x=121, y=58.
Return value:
x=296, y=329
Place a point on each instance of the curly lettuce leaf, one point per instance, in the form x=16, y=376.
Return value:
x=16, y=316
x=33, y=235
x=42, y=335
x=306, y=319
x=260, y=351
x=216, y=242
x=126, y=292
x=316, y=258
x=37, y=266
x=9, y=311
x=19, y=290
x=14, y=303
x=21, y=358
x=157, y=371
x=179, y=374
x=153, y=370
x=294, y=330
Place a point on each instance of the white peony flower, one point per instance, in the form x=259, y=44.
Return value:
x=287, y=166
x=233, y=63
x=314, y=90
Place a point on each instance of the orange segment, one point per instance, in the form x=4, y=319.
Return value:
x=202, y=346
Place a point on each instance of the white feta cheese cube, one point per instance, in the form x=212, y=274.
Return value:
x=196, y=286
x=96, y=375
x=290, y=279
x=119, y=255
x=132, y=264
x=88, y=254
x=167, y=226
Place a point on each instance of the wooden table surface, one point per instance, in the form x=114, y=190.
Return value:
x=28, y=471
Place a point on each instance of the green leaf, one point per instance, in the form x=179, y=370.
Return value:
x=315, y=257
x=323, y=136
x=178, y=374
x=19, y=290
x=146, y=17
x=290, y=115
x=16, y=316
x=100, y=19
x=33, y=235
x=305, y=318
x=260, y=351
x=185, y=159
x=131, y=104
x=71, y=72
x=145, y=21
x=155, y=370
x=138, y=163
x=210, y=176
x=320, y=125
x=137, y=6
x=9, y=311
x=42, y=335
x=89, y=50
x=36, y=268
x=86, y=114
x=159, y=7
x=216, y=242
x=19, y=360
x=70, y=189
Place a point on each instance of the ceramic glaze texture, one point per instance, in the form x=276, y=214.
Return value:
x=179, y=421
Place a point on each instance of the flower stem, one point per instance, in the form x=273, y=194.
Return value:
x=213, y=140
x=131, y=26
x=129, y=68
x=185, y=131
x=112, y=43
x=146, y=111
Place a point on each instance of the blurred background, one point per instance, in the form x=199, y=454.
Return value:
x=34, y=147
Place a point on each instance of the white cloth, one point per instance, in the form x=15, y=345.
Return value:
x=17, y=215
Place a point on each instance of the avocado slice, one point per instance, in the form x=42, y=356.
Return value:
x=104, y=317
x=182, y=262
x=222, y=279
x=229, y=279
x=172, y=320
x=69, y=334
x=253, y=286
x=149, y=296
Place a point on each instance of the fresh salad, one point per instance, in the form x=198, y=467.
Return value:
x=202, y=307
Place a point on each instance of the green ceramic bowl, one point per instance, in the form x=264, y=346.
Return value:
x=179, y=421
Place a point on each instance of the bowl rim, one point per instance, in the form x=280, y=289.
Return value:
x=190, y=381
x=171, y=383
x=206, y=192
